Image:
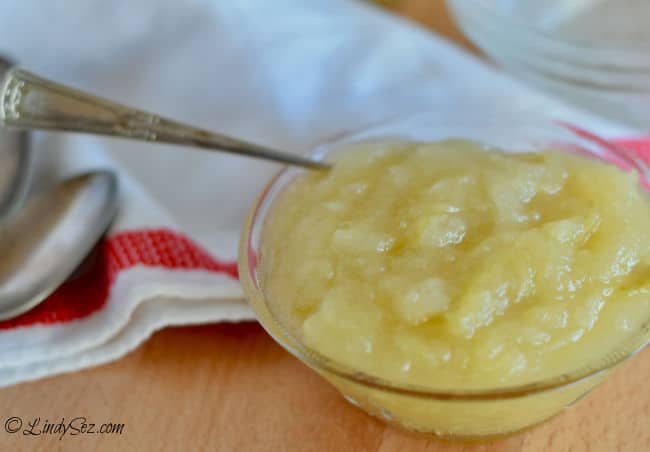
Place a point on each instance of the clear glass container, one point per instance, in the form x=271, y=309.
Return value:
x=594, y=53
x=460, y=414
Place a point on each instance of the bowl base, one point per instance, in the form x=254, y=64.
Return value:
x=385, y=416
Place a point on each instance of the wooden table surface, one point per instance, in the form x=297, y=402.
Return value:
x=231, y=388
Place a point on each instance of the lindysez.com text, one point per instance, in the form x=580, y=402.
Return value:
x=77, y=426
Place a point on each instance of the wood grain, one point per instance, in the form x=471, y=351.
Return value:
x=231, y=388
x=435, y=15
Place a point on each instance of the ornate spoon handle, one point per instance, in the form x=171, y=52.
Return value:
x=28, y=101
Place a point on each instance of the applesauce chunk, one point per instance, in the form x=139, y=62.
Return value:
x=446, y=264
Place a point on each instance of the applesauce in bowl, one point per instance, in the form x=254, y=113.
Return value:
x=452, y=284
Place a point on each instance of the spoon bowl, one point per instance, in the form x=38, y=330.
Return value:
x=49, y=238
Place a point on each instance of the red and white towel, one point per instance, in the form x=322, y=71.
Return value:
x=287, y=73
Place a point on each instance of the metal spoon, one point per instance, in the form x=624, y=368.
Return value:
x=48, y=239
x=15, y=164
x=28, y=101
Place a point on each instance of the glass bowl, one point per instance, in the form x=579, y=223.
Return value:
x=455, y=414
x=591, y=52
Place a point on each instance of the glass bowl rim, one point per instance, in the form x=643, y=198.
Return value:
x=319, y=362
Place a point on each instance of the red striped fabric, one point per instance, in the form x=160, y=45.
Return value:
x=88, y=290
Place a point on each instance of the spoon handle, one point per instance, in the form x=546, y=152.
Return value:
x=28, y=101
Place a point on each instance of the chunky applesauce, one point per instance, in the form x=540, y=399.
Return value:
x=449, y=265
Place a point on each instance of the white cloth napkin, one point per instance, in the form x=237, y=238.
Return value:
x=286, y=73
